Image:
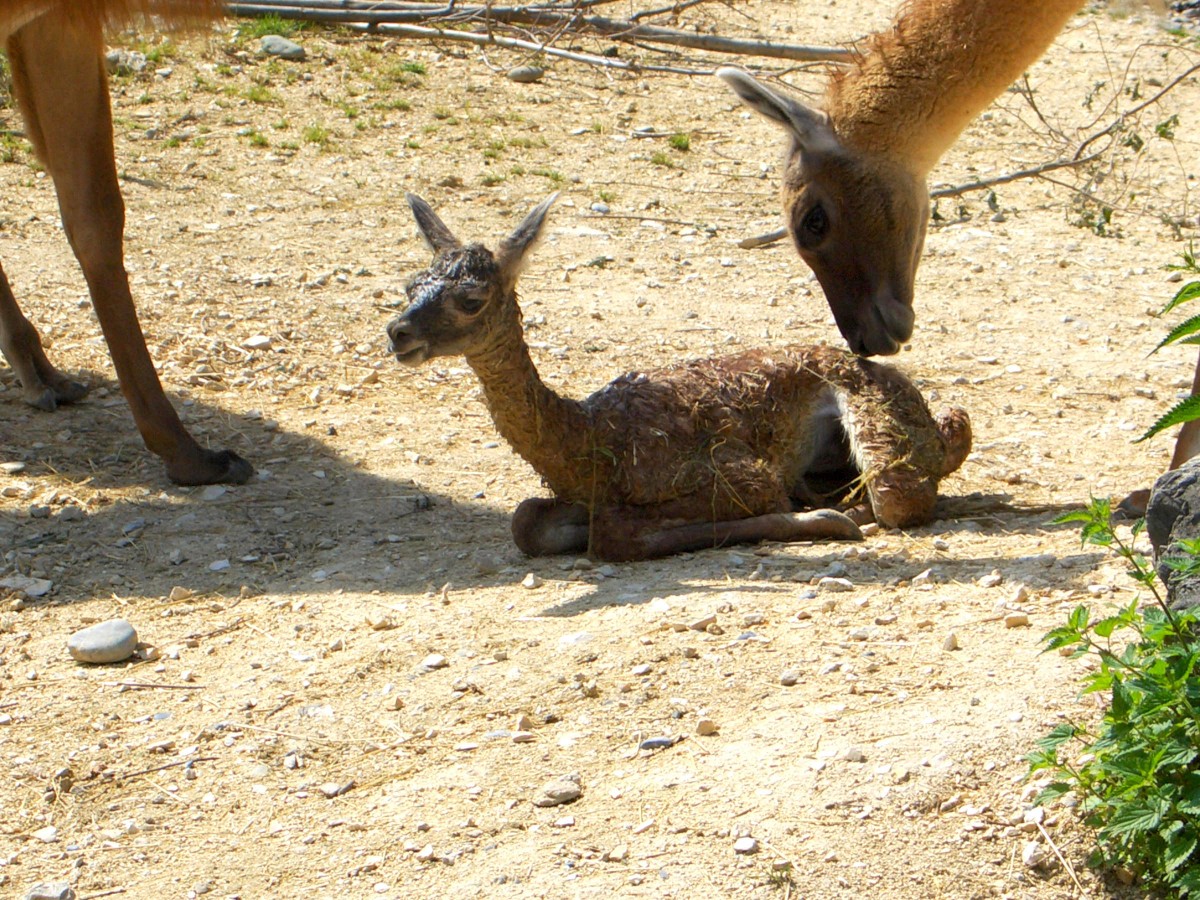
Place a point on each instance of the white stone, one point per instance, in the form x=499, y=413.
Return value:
x=745, y=845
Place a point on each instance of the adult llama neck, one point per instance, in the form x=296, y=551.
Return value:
x=940, y=64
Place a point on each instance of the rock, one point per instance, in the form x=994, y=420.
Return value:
x=951, y=642
x=531, y=581
x=995, y=579
x=835, y=585
x=1173, y=514
x=213, y=492
x=107, y=642
x=658, y=743
x=526, y=74
x=854, y=754
x=1016, y=620
x=564, y=789
x=274, y=45
x=30, y=587
x=1033, y=854
x=601, y=208
x=47, y=835
x=257, y=342
x=616, y=854
x=745, y=845
x=53, y=890
x=380, y=621
x=789, y=677
x=929, y=576
x=705, y=727
x=703, y=624
x=750, y=619
x=434, y=661
x=14, y=468
x=124, y=62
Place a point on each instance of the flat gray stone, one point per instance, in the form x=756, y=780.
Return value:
x=54, y=890
x=107, y=642
x=274, y=45
x=526, y=74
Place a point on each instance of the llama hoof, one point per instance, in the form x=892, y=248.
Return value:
x=213, y=467
x=48, y=397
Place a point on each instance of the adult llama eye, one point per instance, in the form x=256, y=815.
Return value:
x=816, y=223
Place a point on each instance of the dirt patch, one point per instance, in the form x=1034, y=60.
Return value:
x=266, y=199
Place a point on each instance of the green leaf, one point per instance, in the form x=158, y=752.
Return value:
x=1184, y=411
x=1180, y=846
x=1105, y=627
x=1183, y=332
x=1051, y=792
x=1189, y=291
x=1134, y=817
x=1059, y=736
x=1187, y=881
x=1121, y=699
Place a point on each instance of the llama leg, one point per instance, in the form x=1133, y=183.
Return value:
x=615, y=537
x=546, y=527
x=42, y=385
x=58, y=79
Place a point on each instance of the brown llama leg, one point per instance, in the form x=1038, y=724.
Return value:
x=546, y=527
x=617, y=536
x=42, y=385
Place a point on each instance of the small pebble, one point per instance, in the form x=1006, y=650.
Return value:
x=705, y=727
x=854, y=754
x=531, y=581
x=434, y=661
x=617, y=854
x=703, y=624
x=657, y=743
x=995, y=579
x=951, y=642
x=107, y=642
x=1016, y=620
x=1032, y=854
x=929, y=576
x=745, y=845
x=789, y=677
x=564, y=789
x=47, y=835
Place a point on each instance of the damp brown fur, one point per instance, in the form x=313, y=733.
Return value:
x=689, y=456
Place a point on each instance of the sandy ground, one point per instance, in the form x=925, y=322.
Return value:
x=290, y=740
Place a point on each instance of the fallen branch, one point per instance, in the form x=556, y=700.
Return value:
x=375, y=16
x=170, y=765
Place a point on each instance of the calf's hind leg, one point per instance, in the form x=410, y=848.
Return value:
x=58, y=79
x=618, y=536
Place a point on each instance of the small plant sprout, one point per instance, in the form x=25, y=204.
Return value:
x=680, y=141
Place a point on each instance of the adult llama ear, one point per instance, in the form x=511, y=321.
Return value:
x=810, y=127
x=432, y=229
x=514, y=247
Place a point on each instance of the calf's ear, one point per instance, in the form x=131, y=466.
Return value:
x=432, y=229
x=517, y=245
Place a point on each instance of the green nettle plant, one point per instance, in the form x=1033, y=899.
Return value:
x=1185, y=333
x=1134, y=773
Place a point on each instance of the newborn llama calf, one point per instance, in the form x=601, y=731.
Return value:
x=693, y=456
